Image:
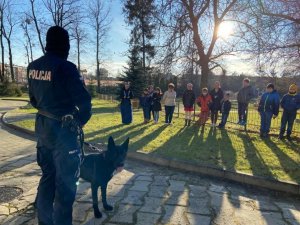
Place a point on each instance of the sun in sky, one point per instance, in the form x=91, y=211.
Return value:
x=225, y=30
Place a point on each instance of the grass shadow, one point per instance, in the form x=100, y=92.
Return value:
x=257, y=164
x=122, y=126
x=289, y=166
x=228, y=155
x=139, y=144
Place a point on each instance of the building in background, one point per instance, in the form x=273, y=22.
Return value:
x=20, y=73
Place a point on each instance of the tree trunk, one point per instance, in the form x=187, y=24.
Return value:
x=144, y=53
x=27, y=54
x=30, y=48
x=98, y=63
x=204, y=74
x=98, y=67
x=12, y=74
x=2, y=60
x=78, y=54
x=2, y=53
x=98, y=76
x=37, y=27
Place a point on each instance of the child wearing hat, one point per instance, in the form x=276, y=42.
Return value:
x=268, y=108
x=290, y=103
x=225, y=110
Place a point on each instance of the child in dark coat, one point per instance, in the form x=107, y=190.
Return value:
x=188, y=100
x=225, y=110
x=145, y=103
x=216, y=96
x=268, y=108
x=290, y=103
x=156, y=105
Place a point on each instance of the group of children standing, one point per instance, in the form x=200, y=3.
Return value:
x=151, y=100
x=269, y=108
x=213, y=102
x=210, y=103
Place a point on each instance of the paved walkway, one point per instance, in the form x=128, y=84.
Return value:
x=143, y=194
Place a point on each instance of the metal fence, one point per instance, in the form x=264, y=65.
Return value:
x=253, y=117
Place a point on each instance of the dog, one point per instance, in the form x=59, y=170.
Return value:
x=98, y=169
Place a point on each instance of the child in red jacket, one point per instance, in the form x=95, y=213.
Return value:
x=204, y=101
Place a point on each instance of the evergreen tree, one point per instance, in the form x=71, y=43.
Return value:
x=134, y=72
x=139, y=16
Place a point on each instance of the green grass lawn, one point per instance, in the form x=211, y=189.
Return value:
x=230, y=149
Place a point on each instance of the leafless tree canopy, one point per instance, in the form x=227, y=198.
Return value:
x=192, y=26
x=99, y=20
x=63, y=12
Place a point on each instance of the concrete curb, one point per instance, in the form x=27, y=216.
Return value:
x=14, y=99
x=15, y=127
x=236, y=176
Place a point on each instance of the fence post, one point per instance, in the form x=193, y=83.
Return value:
x=178, y=109
x=246, y=119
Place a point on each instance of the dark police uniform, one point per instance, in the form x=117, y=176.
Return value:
x=56, y=89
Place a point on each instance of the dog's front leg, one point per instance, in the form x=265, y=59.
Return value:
x=106, y=206
x=97, y=212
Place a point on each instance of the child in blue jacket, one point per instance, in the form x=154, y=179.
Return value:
x=268, y=108
x=225, y=110
x=290, y=103
x=145, y=103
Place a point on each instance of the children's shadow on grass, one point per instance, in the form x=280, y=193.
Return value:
x=290, y=166
x=228, y=152
x=257, y=164
x=139, y=144
x=117, y=133
x=101, y=130
x=293, y=146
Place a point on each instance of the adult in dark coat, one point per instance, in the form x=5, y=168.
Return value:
x=126, y=107
x=217, y=96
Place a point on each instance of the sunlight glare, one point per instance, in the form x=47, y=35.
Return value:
x=225, y=30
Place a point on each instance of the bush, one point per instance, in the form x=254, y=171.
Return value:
x=92, y=90
x=24, y=89
x=10, y=90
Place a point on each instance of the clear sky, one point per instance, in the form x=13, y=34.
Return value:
x=114, y=51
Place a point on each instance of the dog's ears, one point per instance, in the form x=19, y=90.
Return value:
x=125, y=144
x=111, y=142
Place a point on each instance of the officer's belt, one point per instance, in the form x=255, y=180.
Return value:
x=49, y=115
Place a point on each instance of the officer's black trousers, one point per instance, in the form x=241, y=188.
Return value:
x=58, y=155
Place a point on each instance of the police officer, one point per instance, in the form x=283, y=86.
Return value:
x=56, y=90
